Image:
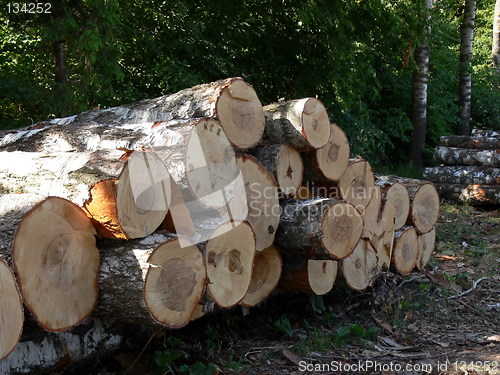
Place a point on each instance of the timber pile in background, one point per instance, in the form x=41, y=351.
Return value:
x=161, y=211
x=470, y=169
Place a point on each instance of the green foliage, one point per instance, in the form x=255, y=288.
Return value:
x=345, y=334
x=164, y=360
x=199, y=368
x=283, y=325
x=356, y=56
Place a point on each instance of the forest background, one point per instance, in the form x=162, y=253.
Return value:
x=357, y=56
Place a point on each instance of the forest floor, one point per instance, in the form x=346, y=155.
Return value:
x=442, y=321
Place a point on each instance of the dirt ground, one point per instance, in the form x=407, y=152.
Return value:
x=442, y=321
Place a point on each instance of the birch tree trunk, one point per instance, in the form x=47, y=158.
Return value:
x=465, y=81
x=495, y=50
x=419, y=105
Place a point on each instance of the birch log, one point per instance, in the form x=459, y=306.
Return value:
x=309, y=275
x=463, y=175
x=301, y=123
x=262, y=199
x=139, y=201
x=463, y=141
x=357, y=183
x=46, y=352
x=475, y=194
x=424, y=201
x=151, y=281
x=426, y=243
x=56, y=263
x=330, y=161
x=284, y=163
x=11, y=311
x=266, y=274
x=232, y=101
x=229, y=256
x=360, y=269
x=319, y=228
x=397, y=194
x=405, y=253
x=485, y=133
x=465, y=156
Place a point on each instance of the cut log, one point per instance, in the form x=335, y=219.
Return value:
x=379, y=227
x=11, y=311
x=200, y=159
x=357, y=183
x=71, y=175
x=57, y=263
x=321, y=228
x=284, y=163
x=330, y=161
x=474, y=194
x=232, y=101
x=485, y=133
x=463, y=175
x=426, y=243
x=265, y=276
x=405, y=252
x=424, y=201
x=397, y=194
x=360, y=269
x=150, y=281
x=46, y=352
x=463, y=141
x=372, y=215
x=262, y=198
x=309, y=275
x=229, y=257
x=465, y=156
x=301, y=123
x=385, y=241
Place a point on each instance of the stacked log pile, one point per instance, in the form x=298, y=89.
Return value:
x=161, y=211
x=470, y=169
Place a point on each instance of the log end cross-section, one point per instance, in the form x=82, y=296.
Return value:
x=57, y=263
x=240, y=113
x=265, y=276
x=11, y=311
x=229, y=257
x=175, y=282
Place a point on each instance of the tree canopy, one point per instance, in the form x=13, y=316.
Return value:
x=355, y=56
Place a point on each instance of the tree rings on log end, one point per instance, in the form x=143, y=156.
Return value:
x=426, y=243
x=11, y=311
x=57, y=263
x=142, y=194
x=333, y=157
x=424, y=211
x=265, y=276
x=357, y=183
x=240, y=113
x=342, y=226
x=397, y=194
x=315, y=121
x=229, y=257
x=321, y=275
x=262, y=198
x=289, y=170
x=405, y=251
x=175, y=282
x=360, y=269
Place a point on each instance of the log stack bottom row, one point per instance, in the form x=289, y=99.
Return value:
x=162, y=211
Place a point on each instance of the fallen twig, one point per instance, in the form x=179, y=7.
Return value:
x=474, y=286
